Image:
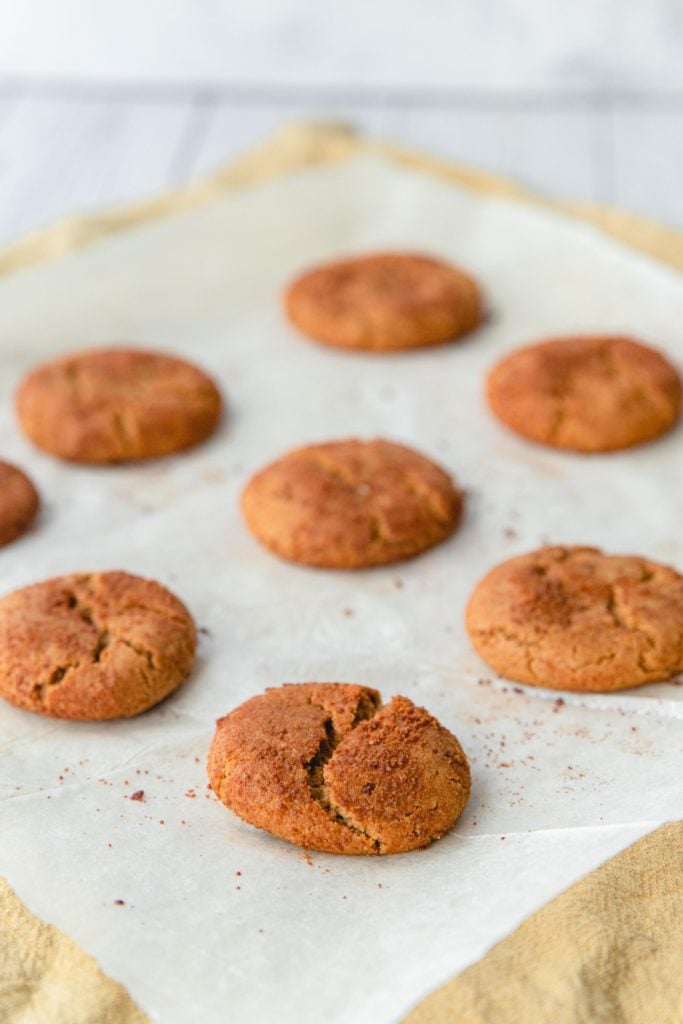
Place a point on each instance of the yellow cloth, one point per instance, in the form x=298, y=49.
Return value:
x=607, y=951
x=46, y=979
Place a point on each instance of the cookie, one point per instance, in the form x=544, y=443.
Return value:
x=93, y=646
x=18, y=503
x=573, y=618
x=590, y=394
x=116, y=405
x=324, y=766
x=384, y=302
x=351, y=504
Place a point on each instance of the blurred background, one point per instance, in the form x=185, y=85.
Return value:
x=103, y=102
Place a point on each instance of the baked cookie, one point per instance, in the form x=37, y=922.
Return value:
x=384, y=302
x=93, y=646
x=18, y=503
x=324, y=766
x=573, y=618
x=351, y=504
x=116, y=405
x=590, y=394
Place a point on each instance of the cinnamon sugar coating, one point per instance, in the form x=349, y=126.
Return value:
x=573, y=618
x=93, y=645
x=586, y=394
x=19, y=503
x=351, y=504
x=324, y=766
x=384, y=301
x=117, y=405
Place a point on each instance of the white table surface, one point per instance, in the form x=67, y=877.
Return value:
x=103, y=102
x=74, y=147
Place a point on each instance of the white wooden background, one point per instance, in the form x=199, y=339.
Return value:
x=103, y=102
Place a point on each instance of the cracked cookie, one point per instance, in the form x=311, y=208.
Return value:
x=586, y=394
x=117, y=405
x=351, y=504
x=573, y=618
x=325, y=766
x=384, y=302
x=18, y=503
x=93, y=646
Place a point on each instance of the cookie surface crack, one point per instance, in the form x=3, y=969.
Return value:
x=121, y=433
x=86, y=614
x=40, y=689
x=143, y=652
x=315, y=771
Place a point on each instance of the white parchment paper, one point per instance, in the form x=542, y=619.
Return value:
x=221, y=922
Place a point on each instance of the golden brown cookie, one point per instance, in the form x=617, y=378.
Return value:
x=18, y=503
x=351, y=504
x=590, y=394
x=323, y=766
x=573, y=618
x=116, y=405
x=384, y=302
x=93, y=645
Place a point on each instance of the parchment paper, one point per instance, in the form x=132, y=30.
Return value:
x=219, y=921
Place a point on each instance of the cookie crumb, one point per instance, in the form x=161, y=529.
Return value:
x=139, y=794
x=119, y=903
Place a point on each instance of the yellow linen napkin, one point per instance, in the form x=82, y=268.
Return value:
x=609, y=950
x=46, y=979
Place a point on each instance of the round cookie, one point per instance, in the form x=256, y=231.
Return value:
x=19, y=503
x=93, y=646
x=573, y=618
x=586, y=394
x=384, y=302
x=116, y=405
x=351, y=504
x=324, y=766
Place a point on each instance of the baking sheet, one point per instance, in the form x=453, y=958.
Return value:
x=220, y=921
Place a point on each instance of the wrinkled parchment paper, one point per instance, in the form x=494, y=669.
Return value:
x=220, y=922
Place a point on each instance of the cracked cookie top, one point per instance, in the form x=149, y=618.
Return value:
x=351, y=504
x=19, y=503
x=117, y=405
x=384, y=301
x=93, y=646
x=586, y=394
x=324, y=766
x=573, y=618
